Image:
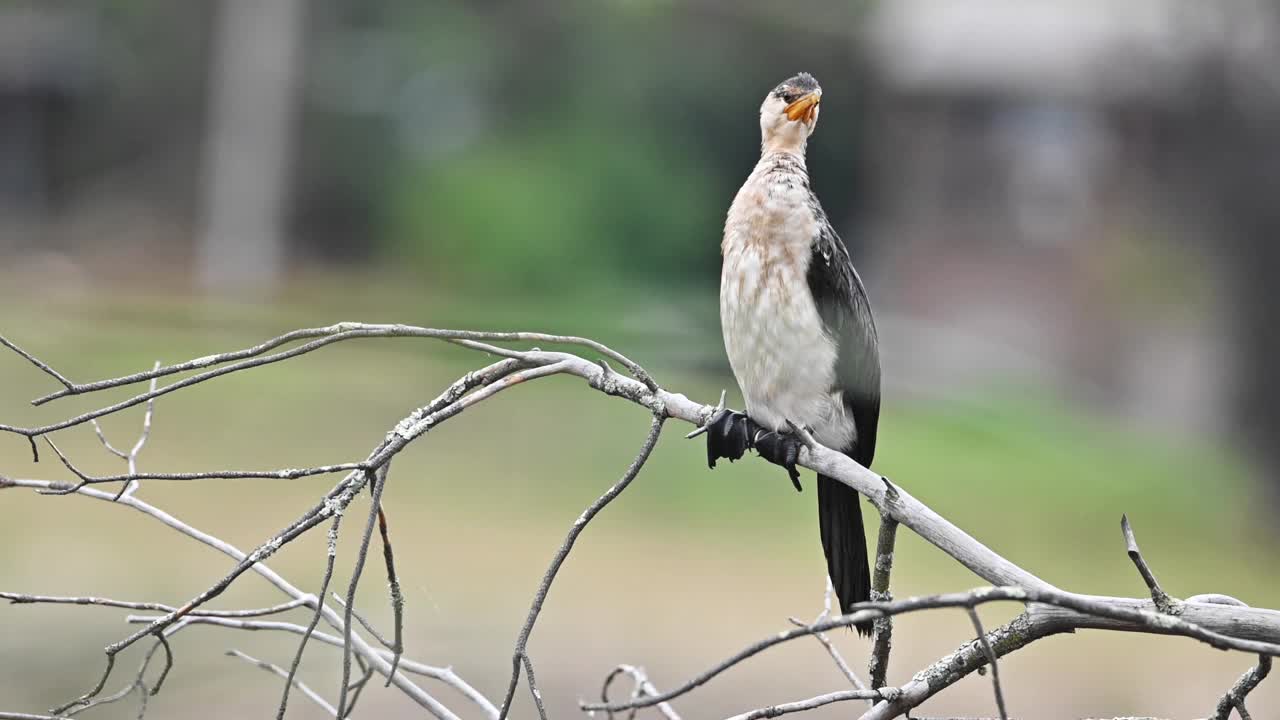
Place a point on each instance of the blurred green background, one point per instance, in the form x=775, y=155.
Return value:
x=1062, y=212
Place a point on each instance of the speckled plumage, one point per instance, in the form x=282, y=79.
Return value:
x=794, y=358
x=797, y=325
x=780, y=352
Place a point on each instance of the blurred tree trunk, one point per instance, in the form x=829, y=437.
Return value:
x=248, y=151
x=23, y=166
x=1234, y=137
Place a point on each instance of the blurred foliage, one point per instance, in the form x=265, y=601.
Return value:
x=567, y=145
x=540, y=145
x=535, y=212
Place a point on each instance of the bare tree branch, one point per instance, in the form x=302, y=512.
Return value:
x=1238, y=692
x=642, y=687
x=130, y=458
x=774, y=711
x=533, y=686
x=882, y=645
x=327, y=336
x=357, y=688
x=364, y=623
x=825, y=641
x=330, y=559
x=25, y=599
x=336, y=501
x=280, y=672
x=991, y=658
x=421, y=420
x=139, y=682
x=1104, y=608
x=380, y=663
x=522, y=642
x=282, y=474
x=1163, y=602
x=263, y=551
x=1014, y=635
x=38, y=363
x=1256, y=624
x=1049, y=610
x=397, y=597
x=443, y=674
x=378, y=481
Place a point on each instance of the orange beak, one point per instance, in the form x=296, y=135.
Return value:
x=805, y=107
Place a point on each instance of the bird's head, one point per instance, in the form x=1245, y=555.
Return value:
x=789, y=114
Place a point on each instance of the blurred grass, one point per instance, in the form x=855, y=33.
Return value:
x=480, y=503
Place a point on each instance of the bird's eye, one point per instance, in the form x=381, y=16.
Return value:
x=790, y=96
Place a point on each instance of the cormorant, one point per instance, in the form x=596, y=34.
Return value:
x=798, y=331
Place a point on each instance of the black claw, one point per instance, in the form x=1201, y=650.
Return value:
x=728, y=436
x=781, y=449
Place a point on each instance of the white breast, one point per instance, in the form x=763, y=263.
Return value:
x=782, y=357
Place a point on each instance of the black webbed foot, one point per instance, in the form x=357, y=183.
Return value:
x=728, y=436
x=780, y=449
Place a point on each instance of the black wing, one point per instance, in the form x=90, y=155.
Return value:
x=846, y=316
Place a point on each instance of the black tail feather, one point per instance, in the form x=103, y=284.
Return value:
x=845, y=543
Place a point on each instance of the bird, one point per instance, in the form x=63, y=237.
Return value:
x=798, y=332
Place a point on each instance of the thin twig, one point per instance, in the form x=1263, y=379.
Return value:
x=117, y=696
x=928, y=524
x=37, y=362
x=297, y=528
x=330, y=559
x=25, y=599
x=1162, y=600
x=364, y=623
x=282, y=474
x=146, y=426
x=991, y=658
x=327, y=336
x=168, y=661
x=337, y=500
x=131, y=457
x=280, y=672
x=97, y=430
x=442, y=408
x=357, y=688
x=443, y=674
x=393, y=586
x=821, y=637
x=863, y=612
x=774, y=711
x=710, y=419
x=533, y=686
x=518, y=655
x=882, y=645
x=1023, y=630
x=642, y=687
x=138, y=683
x=1235, y=697
x=1052, y=610
x=378, y=480
x=379, y=662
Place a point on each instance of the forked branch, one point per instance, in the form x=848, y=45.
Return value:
x=1048, y=610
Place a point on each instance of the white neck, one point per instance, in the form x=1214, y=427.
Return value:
x=792, y=143
x=776, y=147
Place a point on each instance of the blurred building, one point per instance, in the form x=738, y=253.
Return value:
x=45, y=65
x=1029, y=187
